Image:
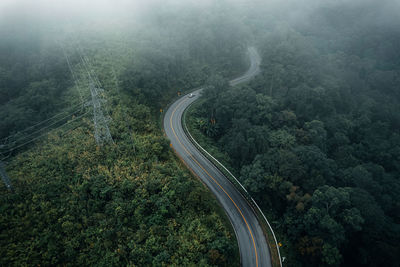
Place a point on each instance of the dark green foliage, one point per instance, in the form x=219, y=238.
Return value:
x=32, y=84
x=76, y=204
x=167, y=65
x=315, y=138
x=132, y=203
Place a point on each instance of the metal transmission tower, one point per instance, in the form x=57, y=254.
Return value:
x=101, y=131
x=5, y=177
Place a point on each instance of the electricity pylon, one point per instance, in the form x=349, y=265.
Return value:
x=101, y=131
x=5, y=177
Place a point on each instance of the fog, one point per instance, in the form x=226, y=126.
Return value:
x=55, y=14
x=385, y=11
x=246, y=20
x=314, y=135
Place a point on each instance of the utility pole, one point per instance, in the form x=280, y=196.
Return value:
x=5, y=177
x=101, y=131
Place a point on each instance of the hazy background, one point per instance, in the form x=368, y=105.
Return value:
x=319, y=126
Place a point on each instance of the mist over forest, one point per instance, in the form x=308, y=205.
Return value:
x=314, y=137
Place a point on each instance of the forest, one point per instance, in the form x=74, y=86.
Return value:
x=76, y=203
x=315, y=137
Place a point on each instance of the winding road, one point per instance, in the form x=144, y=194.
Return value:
x=253, y=246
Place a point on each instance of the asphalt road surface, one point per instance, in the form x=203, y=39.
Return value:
x=253, y=246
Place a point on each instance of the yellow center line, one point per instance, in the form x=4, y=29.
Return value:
x=215, y=181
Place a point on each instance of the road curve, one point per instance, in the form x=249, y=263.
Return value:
x=253, y=246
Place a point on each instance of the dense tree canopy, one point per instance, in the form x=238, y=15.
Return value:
x=315, y=137
x=129, y=203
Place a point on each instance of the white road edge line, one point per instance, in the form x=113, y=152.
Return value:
x=262, y=213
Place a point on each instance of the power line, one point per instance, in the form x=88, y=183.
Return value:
x=87, y=63
x=76, y=81
x=72, y=73
x=39, y=123
x=101, y=131
x=30, y=141
x=41, y=129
